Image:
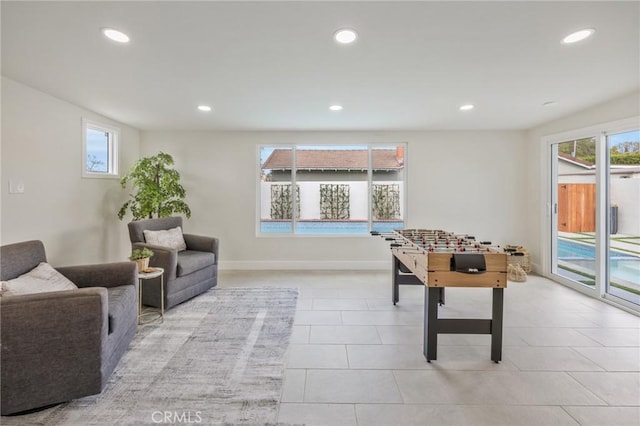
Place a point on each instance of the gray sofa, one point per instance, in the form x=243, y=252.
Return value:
x=63, y=345
x=187, y=273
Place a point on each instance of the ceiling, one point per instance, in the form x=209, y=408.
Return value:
x=274, y=65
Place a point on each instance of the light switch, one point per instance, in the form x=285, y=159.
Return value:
x=16, y=186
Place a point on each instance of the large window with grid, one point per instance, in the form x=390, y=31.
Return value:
x=333, y=190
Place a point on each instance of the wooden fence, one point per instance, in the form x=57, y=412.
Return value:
x=576, y=207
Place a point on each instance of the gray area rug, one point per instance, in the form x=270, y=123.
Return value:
x=217, y=359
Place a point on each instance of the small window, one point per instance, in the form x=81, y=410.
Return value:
x=99, y=150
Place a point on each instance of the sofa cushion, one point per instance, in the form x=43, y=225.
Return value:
x=190, y=261
x=171, y=238
x=41, y=279
x=119, y=303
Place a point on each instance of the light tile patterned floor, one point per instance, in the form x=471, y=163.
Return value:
x=355, y=359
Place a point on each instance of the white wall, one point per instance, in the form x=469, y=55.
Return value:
x=484, y=183
x=617, y=109
x=467, y=182
x=41, y=146
x=626, y=194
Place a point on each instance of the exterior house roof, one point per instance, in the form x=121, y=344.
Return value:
x=356, y=159
x=578, y=162
x=590, y=168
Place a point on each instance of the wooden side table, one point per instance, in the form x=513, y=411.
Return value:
x=142, y=277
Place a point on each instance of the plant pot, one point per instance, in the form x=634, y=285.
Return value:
x=143, y=264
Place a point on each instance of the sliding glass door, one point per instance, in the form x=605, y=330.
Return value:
x=574, y=225
x=595, y=211
x=623, y=241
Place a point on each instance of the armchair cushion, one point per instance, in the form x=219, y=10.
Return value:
x=41, y=279
x=170, y=238
x=191, y=261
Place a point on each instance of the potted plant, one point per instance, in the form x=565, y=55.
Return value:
x=158, y=192
x=141, y=256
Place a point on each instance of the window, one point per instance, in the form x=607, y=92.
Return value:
x=99, y=150
x=334, y=190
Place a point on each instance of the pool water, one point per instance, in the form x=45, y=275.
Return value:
x=623, y=266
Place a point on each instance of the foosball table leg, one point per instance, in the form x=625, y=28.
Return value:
x=430, y=342
x=395, y=287
x=441, y=296
x=496, y=325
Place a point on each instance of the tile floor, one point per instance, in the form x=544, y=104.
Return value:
x=355, y=359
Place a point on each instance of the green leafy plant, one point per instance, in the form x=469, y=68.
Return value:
x=158, y=189
x=334, y=201
x=281, y=205
x=140, y=253
x=386, y=201
x=631, y=158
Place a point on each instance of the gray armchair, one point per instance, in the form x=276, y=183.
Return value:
x=187, y=273
x=62, y=345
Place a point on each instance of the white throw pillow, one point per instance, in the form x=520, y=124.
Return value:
x=171, y=238
x=41, y=279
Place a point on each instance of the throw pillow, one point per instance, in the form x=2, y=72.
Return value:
x=170, y=238
x=41, y=279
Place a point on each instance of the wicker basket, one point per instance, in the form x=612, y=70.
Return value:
x=516, y=273
x=518, y=256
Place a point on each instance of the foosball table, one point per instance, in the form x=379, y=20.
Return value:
x=438, y=259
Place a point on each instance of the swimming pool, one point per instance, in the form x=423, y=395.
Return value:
x=623, y=266
x=568, y=250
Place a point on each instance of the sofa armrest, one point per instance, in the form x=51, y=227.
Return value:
x=52, y=347
x=163, y=257
x=202, y=243
x=102, y=275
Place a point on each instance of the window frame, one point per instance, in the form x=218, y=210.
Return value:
x=370, y=181
x=113, y=157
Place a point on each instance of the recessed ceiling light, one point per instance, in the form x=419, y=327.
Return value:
x=115, y=35
x=467, y=107
x=345, y=36
x=578, y=36
x=335, y=107
x=205, y=108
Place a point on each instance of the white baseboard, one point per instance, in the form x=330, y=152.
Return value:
x=304, y=265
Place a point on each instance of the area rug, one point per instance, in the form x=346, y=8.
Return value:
x=217, y=359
